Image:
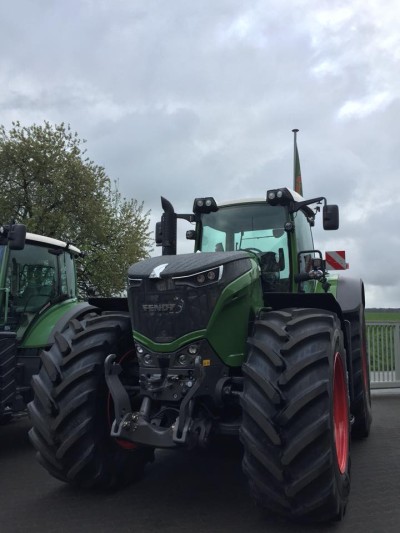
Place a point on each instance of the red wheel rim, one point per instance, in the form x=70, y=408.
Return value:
x=340, y=414
x=126, y=445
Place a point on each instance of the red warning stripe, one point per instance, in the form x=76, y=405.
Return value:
x=336, y=260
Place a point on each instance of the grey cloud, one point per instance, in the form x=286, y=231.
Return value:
x=185, y=99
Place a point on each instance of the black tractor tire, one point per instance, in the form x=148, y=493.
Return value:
x=360, y=406
x=8, y=365
x=71, y=412
x=296, y=419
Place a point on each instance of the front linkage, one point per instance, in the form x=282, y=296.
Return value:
x=180, y=394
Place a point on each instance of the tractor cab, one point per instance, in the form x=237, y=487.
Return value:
x=251, y=226
x=34, y=277
x=37, y=295
x=276, y=230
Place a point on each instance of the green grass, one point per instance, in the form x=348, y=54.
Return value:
x=382, y=315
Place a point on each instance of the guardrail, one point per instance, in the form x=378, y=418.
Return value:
x=383, y=341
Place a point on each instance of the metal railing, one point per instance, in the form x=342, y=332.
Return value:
x=383, y=340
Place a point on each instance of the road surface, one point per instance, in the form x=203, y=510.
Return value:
x=193, y=492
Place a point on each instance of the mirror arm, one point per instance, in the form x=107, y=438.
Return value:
x=295, y=206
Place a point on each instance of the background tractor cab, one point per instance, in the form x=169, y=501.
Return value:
x=33, y=279
x=38, y=296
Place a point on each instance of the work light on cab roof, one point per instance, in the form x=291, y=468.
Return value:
x=205, y=205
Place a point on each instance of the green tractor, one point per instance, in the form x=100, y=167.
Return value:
x=247, y=338
x=37, y=297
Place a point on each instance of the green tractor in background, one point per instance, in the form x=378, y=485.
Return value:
x=37, y=297
x=247, y=337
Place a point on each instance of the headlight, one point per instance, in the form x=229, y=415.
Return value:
x=207, y=277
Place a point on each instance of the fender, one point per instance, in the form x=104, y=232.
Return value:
x=281, y=300
x=75, y=312
x=350, y=294
x=95, y=305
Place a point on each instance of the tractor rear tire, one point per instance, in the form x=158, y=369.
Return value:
x=71, y=412
x=360, y=406
x=296, y=420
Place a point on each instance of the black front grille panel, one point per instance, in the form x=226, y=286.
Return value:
x=165, y=315
x=165, y=309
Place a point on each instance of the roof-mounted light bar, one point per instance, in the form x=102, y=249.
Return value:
x=204, y=205
x=279, y=197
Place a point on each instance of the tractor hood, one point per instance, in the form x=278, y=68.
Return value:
x=167, y=266
x=175, y=295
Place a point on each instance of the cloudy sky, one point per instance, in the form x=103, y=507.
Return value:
x=188, y=98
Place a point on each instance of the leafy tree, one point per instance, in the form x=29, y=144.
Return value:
x=49, y=183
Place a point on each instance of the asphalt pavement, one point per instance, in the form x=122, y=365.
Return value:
x=194, y=492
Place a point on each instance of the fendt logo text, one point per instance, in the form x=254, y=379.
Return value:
x=163, y=308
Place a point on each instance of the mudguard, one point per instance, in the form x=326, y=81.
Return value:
x=95, y=305
x=350, y=294
x=281, y=300
x=75, y=312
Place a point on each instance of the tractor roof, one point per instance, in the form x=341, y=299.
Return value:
x=33, y=238
x=295, y=196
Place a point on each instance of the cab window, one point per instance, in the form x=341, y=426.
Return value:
x=257, y=228
x=35, y=277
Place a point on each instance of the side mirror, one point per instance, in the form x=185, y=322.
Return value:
x=158, y=234
x=16, y=236
x=191, y=235
x=330, y=217
x=167, y=231
x=281, y=259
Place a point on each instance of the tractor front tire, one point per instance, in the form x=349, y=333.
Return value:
x=70, y=412
x=8, y=364
x=296, y=420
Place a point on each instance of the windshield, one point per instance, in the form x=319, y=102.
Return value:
x=36, y=277
x=240, y=227
x=256, y=227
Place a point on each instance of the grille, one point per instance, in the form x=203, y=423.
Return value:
x=164, y=309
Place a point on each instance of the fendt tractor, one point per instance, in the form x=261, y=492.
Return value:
x=248, y=337
x=37, y=297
